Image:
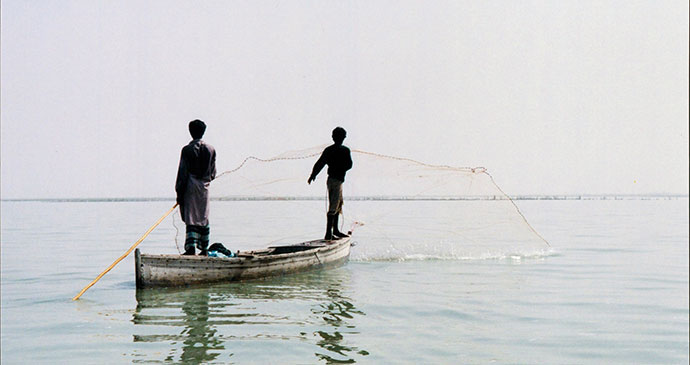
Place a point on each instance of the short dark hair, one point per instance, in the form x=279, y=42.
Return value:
x=197, y=128
x=339, y=134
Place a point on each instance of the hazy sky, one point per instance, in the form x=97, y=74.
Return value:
x=553, y=97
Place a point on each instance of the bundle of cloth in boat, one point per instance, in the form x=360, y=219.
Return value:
x=218, y=250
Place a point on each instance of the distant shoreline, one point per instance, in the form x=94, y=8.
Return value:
x=365, y=198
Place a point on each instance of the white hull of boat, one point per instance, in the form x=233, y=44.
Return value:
x=179, y=270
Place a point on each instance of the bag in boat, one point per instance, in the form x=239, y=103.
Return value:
x=218, y=250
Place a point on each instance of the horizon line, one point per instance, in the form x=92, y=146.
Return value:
x=661, y=196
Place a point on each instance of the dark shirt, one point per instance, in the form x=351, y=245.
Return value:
x=200, y=160
x=197, y=160
x=338, y=159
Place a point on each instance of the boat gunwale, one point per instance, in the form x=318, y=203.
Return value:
x=247, y=256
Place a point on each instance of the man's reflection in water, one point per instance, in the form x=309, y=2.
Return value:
x=272, y=309
x=200, y=344
x=337, y=313
x=201, y=337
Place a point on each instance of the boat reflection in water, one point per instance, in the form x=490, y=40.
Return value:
x=288, y=319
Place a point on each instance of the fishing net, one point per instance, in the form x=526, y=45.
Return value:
x=397, y=208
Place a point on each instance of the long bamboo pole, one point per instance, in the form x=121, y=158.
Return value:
x=126, y=253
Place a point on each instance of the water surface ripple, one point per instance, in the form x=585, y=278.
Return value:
x=613, y=288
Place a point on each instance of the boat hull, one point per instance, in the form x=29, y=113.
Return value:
x=180, y=270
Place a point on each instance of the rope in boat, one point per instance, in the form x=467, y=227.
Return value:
x=177, y=233
x=126, y=253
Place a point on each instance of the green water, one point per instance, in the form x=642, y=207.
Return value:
x=612, y=289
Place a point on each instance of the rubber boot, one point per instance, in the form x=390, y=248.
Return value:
x=203, y=248
x=336, y=231
x=189, y=252
x=329, y=227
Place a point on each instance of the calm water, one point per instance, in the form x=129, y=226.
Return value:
x=613, y=288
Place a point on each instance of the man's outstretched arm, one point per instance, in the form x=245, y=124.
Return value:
x=318, y=166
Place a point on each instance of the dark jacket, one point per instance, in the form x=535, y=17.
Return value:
x=338, y=159
x=197, y=169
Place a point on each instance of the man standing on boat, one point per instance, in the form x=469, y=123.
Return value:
x=339, y=160
x=197, y=169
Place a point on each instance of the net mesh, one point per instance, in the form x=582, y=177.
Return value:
x=398, y=208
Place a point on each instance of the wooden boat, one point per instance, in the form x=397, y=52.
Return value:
x=177, y=270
